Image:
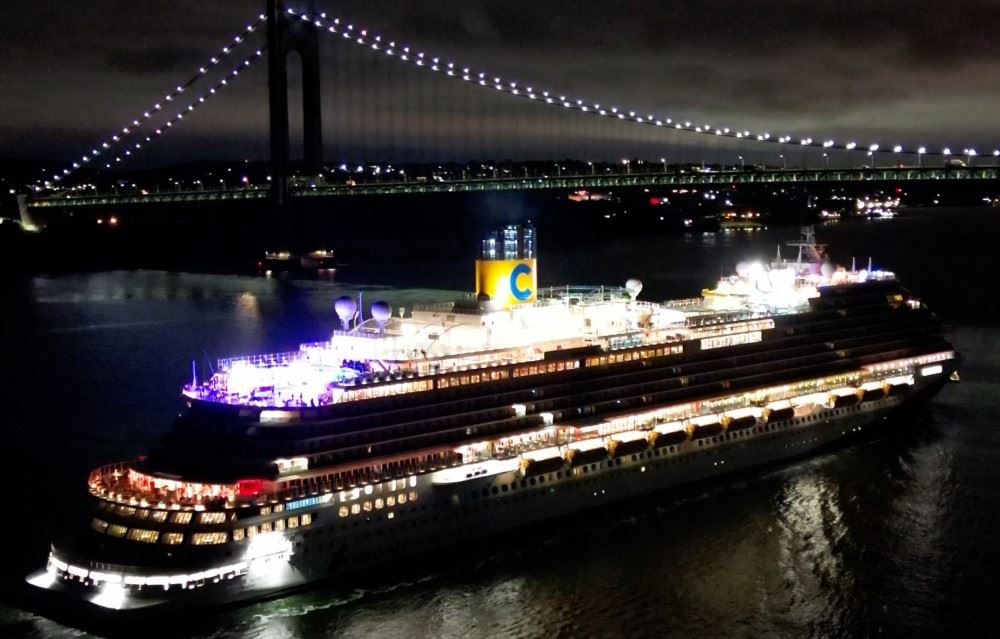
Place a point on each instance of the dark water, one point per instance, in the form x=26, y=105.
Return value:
x=892, y=538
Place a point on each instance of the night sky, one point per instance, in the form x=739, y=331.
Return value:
x=887, y=71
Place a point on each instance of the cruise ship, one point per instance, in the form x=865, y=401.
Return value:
x=414, y=429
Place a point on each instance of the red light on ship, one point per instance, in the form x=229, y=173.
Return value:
x=249, y=487
x=655, y=201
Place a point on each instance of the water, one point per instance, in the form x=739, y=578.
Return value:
x=889, y=538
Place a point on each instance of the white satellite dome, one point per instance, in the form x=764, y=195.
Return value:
x=634, y=287
x=381, y=312
x=345, y=307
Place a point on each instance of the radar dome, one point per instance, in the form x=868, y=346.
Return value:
x=345, y=307
x=634, y=287
x=381, y=311
x=826, y=269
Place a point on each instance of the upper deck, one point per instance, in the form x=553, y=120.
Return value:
x=396, y=355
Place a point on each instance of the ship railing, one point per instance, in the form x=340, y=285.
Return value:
x=262, y=360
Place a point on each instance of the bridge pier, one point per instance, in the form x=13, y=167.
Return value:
x=285, y=34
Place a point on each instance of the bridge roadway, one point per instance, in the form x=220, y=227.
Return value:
x=570, y=182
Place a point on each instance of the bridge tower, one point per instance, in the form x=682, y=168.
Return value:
x=285, y=34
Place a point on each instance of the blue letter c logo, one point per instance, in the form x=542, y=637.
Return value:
x=518, y=292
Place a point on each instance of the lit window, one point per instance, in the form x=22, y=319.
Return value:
x=413, y=495
x=308, y=519
x=125, y=511
x=343, y=511
x=368, y=506
x=279, y=525
x=159, y=515
x=265, y=510
x=143, y=535
x=173, y=538
x=181, y=518
x=293, y=522
x=390, y=501
x=204, y=539
x=212, y=518
x=355, y=509
x=265, y=527
x=99, y=525
x=251, y=531
x=238, y=534
x=379, y=503
x=117, y=531
x=402, y=498
x=279, y=508
x=142, y=513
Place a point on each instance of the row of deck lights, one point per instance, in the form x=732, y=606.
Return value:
x=361, y=37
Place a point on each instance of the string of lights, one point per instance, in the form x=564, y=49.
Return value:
x=105, y=147
x=435, y=64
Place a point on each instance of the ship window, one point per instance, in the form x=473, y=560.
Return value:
x=204, y=539
x=125, y=511
x=379, y=503
x=402, y=498
x=293, y=522
x=117, y=531
x=355, y=509
x=390, y=501
x=159, y=515
x=265, y=510
x=212, y=518
x=143, y=535
x=142, y=513
x=368, y=506
x=343, y=511
x=99, y=525
x=181, y=518
x=307, y=519
x=173, y=538
x=279, y=524
x=278, y=508
x=265, y=527
x=251, y=532
x=238, y=534
x=413, y=495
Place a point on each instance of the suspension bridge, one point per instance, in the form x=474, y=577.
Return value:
x=480, y=95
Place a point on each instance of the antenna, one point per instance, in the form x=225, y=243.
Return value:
x=194, y=374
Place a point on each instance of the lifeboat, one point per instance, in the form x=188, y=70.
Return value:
x=871, y=393
x=707, y=426
x=844, y=398
x=541, y=466
x=539, y=462
x=670, y=438
x=742, y=422
x=631, y=447
x=779, y=414
x=588, y=456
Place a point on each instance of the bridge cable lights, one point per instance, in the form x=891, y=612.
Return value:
x=148, y=114
x=583, y=106
x=179, y=115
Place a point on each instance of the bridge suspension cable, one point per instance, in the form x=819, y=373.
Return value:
x=105, y=147
x=435, y=64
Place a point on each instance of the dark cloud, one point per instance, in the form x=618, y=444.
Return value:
x=156, y=59
x=919, y=72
